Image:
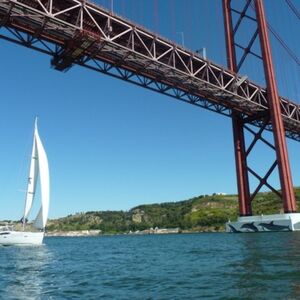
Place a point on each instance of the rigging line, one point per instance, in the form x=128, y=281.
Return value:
x=293, y=8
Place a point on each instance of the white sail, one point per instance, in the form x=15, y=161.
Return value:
x=32, y=179
x=38, y=168
x=41, y=219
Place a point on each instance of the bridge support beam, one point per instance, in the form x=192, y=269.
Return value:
x=275, y=117
x=285, y=176
x=241, y=166
x=237, y=123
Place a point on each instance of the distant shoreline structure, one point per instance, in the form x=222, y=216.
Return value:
x=74, y=233
x=80, y=233
x=156, y=231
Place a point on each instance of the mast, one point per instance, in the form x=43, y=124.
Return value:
x=32, y=178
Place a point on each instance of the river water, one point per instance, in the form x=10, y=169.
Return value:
x=182, y=266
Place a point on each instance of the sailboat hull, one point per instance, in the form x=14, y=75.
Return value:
x=21, y=238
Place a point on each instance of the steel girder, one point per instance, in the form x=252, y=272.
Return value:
x=274, y=114
x=80, y=32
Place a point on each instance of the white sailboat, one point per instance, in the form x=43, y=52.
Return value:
x=38, y=168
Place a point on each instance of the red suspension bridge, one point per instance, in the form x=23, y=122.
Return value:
x=82, y=33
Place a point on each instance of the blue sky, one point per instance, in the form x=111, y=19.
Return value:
x=112, y=145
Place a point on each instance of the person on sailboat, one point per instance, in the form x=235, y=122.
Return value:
x=23, y=221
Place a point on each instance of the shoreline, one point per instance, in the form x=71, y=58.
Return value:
x=94, y=233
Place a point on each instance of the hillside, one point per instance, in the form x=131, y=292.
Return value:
x=203, y=213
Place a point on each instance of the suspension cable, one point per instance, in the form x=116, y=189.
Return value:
x=284, y=45
x=293, y=8
x=281, y=41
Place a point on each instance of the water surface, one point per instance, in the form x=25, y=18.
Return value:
x=182, y=266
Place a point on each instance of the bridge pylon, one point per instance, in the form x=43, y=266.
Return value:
x=271, y=118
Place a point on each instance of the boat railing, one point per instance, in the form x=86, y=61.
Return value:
x=6, y=228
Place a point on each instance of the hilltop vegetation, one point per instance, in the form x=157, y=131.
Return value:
x=203, y=213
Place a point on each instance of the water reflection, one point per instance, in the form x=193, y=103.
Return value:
x=292, y=247
x=268, y=266
x=203, y=266
x=23, y=272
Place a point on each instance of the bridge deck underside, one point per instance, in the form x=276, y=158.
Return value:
x=78, y=32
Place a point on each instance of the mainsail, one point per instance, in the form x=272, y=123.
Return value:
x=38, y=168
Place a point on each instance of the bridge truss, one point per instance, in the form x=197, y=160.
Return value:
x=78, y=32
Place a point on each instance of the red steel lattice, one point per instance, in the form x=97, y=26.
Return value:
x=80, y=32
x=274, y=115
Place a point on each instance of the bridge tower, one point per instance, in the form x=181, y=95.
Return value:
x=272, y=118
